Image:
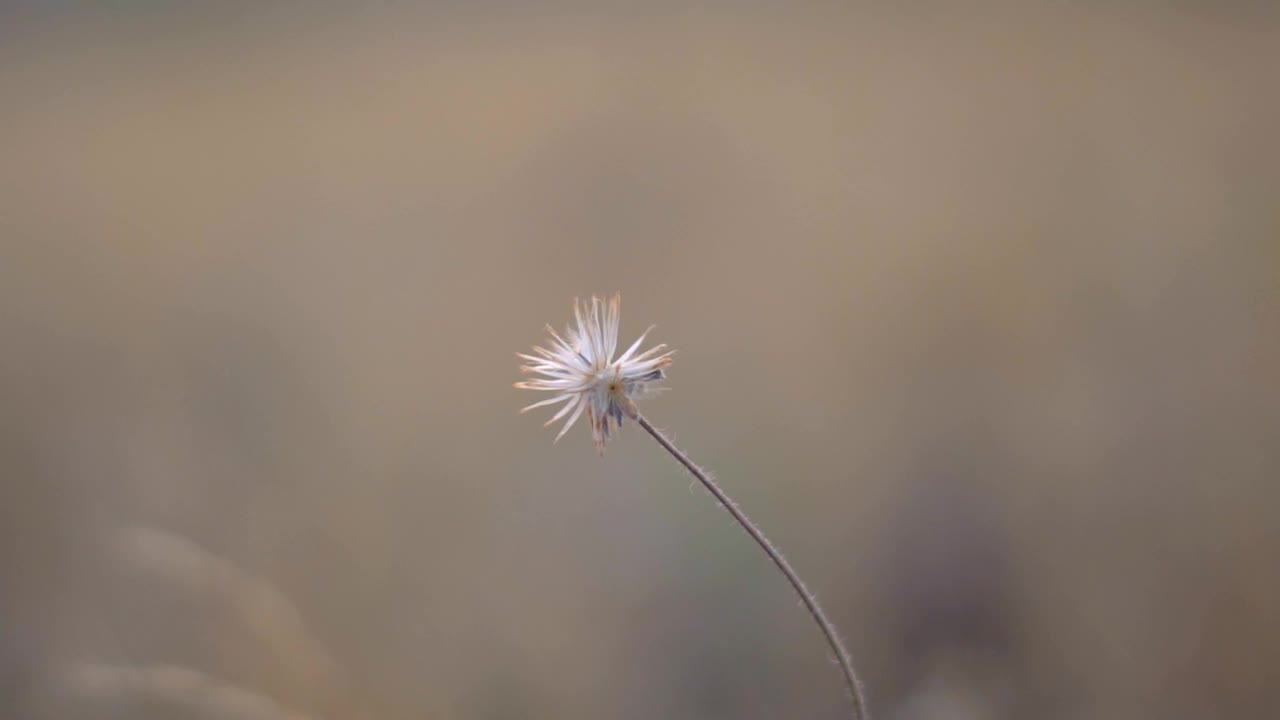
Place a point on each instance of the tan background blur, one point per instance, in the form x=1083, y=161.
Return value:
x=976, y=310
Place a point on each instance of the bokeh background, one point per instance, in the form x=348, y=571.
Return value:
x=977, y=308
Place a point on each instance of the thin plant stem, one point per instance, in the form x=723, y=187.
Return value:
x=810, y=602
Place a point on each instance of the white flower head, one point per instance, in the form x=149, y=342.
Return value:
x=582, y=372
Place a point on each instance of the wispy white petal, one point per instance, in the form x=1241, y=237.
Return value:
x=572, y=419
x=577, y=400
x=549, y=401
x=627, y=355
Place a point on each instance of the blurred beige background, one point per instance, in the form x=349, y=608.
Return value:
x=976, y=310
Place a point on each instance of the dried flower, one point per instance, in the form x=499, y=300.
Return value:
x=581, y=370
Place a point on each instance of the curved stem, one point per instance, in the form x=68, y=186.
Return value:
x=810, y=602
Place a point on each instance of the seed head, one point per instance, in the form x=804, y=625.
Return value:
x=579, y=368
